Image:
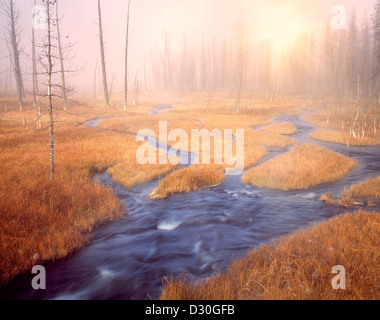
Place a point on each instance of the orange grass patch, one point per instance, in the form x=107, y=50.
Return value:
x=281, y=128
x=124, y=175
x=355, y=195
x=369, y=188
x=344, y=137
x=303, y=167
x=299, y=266
x=262, y=138
x=41, y=220
x=188, y=179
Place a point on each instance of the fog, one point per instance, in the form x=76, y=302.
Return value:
x=197, y=21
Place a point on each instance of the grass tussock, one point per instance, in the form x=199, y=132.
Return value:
x=369, y=188
x=123, y=175
x=299, y=266
x=261, y=138
x=188, y=179
x=362, y=193
x=281, y=128
x=42, y=220
x=303, y=167
x=344, y=137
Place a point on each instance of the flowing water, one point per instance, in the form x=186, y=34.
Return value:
x=199, y=233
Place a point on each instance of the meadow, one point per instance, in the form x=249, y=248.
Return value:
x=298, y=266
x=42, y=221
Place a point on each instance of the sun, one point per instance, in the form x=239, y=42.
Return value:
x=280, y=25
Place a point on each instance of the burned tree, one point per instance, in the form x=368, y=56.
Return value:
x=102, y=54
x=35, y=76
x=13, y=41
x=49, y=57
x=126, y=62
x=63, y=80
x=49, y=72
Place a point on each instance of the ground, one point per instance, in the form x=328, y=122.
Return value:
x=44, y=221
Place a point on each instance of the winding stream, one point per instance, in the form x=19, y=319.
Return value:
x=198, y=233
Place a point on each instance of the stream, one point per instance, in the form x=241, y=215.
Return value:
x=199, y=233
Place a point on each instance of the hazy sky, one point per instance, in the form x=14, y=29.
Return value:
x=149, y=19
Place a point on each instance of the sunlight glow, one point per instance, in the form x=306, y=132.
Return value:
x=279, y=25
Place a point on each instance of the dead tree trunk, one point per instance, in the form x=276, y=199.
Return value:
x=49, y=91
x=146, y=88
x=126, y=62
x=35, y=80
x=103, y=59
x=96, y=68
x=63, y=81
x=13, y=17
x=136, y=92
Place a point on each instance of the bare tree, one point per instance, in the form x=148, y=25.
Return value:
x=136, y=91
x=126, y=61
x=35, y=77
x=49, y=73
x=13, y=41
x=63, y=80
x=96, y=68
x=145, y=80
x=49, y=58
x=103, y=59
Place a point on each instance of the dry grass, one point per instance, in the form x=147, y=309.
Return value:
x=299, y=266
x=188, y=179
x=123, y=175
x=344, y=137
x=261, y=138
x=41, y=220
x=369, y=188
x=303, y=167
x=45, y=218
x=281, y=128
x=336, y=125
x=222, y=103
x=358, y=194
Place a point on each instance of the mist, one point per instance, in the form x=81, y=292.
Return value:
x=168, y=26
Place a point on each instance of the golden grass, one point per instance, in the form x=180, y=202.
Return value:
x=336, y=126
x=358, y=194
x=123, y=175
x=369, y=188
x=281, y=128
x=299, y=266
x=41, y=220
x=303, y=167
x=223, y=103
x=188, y=179
x=344, y=137
x=262, y=138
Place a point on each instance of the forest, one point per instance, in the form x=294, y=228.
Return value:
x=122, y=123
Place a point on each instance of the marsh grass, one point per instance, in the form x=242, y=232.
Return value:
x=284, y=128
x=42, y=220
x=298, y=266
x=303, y=167
x=124, y=175
x=188, y=179
x=344, y=137
x=336, y=127
x=261, y=138
x=357, y=194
